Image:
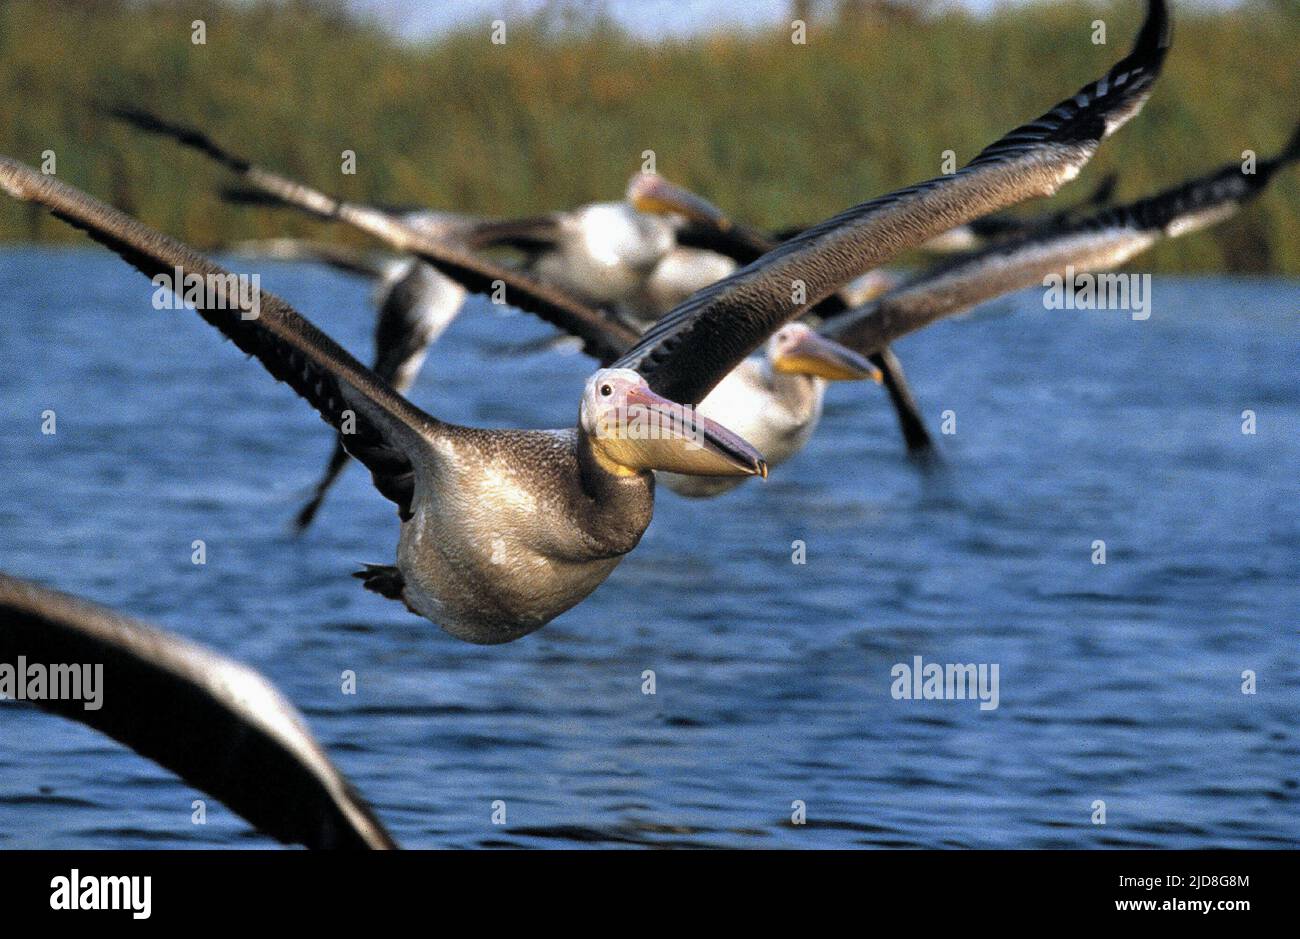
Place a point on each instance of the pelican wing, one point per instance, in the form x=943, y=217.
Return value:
x=1000, y=225
x=604, y=337
x=218, y=725
x=381, y=428
x=1101, y=241
x=414, y=310
x=687, y=352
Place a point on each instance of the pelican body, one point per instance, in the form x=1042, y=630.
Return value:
x=514, y=529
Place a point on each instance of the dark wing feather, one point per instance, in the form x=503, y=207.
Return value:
x=402, y=338
x=388, y=428
x=739, y=242
x=1100, y=241
x=604, y=336
x=689, y=350
x=531, y=235
x=218, y=725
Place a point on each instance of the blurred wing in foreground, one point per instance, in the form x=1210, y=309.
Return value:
x=218, y=725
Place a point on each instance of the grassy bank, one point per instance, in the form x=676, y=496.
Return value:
x=776, y=132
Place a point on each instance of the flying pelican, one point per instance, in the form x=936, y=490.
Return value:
x=708, y=227
x=219, y=725
x=1096, y=242
x=503, y=530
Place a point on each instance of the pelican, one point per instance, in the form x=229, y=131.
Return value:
x=1095, y=242
x=774, y=400
x=217, y=724
x=638, y=254
x=503, y=530
x=709, y=227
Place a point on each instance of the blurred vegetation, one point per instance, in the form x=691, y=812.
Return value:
x=777, y=133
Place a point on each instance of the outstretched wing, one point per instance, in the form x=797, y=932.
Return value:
x=380, y=427
x=218, y=725
x=689, y=350
x=1101, y=241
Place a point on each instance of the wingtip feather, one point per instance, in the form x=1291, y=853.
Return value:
x=1157, y=32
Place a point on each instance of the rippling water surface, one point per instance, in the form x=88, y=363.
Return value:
x=1119, y=683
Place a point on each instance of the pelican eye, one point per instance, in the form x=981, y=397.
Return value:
x=606, y=390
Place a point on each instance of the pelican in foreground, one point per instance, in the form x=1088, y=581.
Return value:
x=503, y=530
x=219, y=725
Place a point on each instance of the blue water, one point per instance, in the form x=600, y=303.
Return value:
x=1120, y=683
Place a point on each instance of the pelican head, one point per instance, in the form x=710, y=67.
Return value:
x=797, y=349
x=634, y=430
x=654, y=195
